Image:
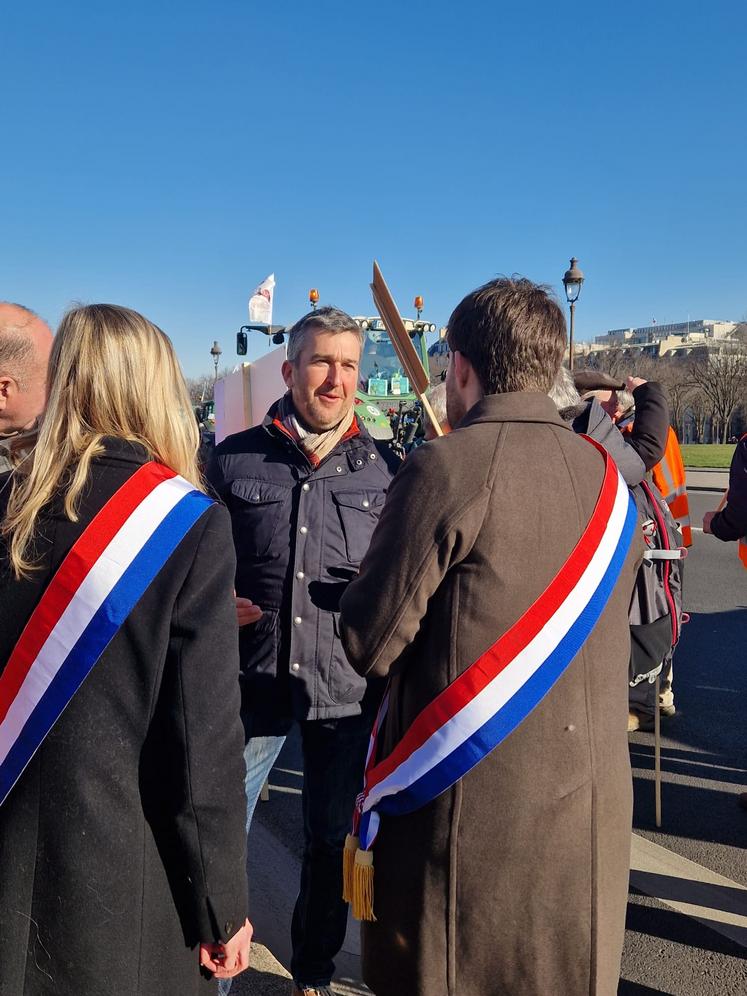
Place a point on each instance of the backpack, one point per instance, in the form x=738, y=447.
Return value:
x=656, y=614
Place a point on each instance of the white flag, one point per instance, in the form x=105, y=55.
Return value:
x=260, y=303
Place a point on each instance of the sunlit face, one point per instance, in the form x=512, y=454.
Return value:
x=323, y=378
x=608, y=401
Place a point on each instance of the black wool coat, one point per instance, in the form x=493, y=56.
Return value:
x=122, y=844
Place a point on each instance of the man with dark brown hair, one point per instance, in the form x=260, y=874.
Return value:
x=496, y=810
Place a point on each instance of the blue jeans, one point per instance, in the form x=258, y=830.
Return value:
x=334, y=755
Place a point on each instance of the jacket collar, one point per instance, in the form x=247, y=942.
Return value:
x=123, y=450
x=515, y=406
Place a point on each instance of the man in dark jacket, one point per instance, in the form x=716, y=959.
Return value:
x=305, y=490
x=730, y=523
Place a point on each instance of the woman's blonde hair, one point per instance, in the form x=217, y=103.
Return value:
x=111, y=373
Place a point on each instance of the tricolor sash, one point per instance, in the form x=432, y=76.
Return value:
x=496, y=693
x=101, y=579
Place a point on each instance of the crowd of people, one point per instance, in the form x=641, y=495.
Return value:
x=449, y=633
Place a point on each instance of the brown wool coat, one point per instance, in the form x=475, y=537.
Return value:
x=513, y=882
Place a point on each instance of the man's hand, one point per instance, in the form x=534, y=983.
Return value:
x=707, y=521
x=246, y=611
x=225, y=960
x=633, y=382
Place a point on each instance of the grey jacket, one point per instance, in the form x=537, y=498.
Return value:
x=590, y=419
x=300, y=534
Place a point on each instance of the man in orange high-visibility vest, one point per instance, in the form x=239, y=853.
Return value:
x=669, y=477
x=731, y=522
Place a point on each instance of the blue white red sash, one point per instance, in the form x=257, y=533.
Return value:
x=100, y=581
x=493, y=696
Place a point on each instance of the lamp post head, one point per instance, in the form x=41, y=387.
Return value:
x=572, y=280
x=313, y=298
x=215, y=351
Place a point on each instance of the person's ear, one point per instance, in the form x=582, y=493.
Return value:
x=462, y=369
x=287, y=371
x=8, y=387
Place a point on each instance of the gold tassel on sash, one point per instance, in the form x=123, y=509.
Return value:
x=363, y=886
x=348, y=863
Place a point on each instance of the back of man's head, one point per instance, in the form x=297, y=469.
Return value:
x=25, y=344
x=513, y=333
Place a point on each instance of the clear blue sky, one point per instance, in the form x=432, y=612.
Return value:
x=168, y=156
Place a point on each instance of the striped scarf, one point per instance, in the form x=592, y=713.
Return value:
x=316, y=445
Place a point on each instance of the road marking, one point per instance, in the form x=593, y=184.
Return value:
x=689, y=888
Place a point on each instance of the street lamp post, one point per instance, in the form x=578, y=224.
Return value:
x=215, y=352
x=572, y=281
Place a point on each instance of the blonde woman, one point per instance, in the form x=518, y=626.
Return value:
x=122, y=862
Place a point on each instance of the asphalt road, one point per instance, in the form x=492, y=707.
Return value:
x=704, y=763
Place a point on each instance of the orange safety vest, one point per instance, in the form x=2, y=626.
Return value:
x=669, y=477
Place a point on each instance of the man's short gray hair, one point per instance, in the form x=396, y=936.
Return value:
x=437, y=399
x=563, y=392
x=16, y=345
x=326, y=319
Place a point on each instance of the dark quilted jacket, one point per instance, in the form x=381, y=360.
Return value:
x=300, y=534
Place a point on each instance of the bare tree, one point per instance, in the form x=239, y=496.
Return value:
x=675, y=376
x=614, y=362
x=722, y=379
x=200, y=388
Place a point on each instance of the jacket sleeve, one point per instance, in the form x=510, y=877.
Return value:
x=731, y=523
x=204, y=736
x=651, y=423
x=214, y=475
x=602, y=429
x=416, y=541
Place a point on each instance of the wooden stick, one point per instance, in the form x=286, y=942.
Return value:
x=402, y=343
x=657, y=752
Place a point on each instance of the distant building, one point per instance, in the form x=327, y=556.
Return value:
x=672, y=339
x=704, y=328
x=438, y=357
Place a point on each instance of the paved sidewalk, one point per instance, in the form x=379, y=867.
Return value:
x=704, y=479
x=274, y=873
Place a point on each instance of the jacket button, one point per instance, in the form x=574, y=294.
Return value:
x=338, y=469
x=358, y=463
x=300, y=575
x=371, y=456
x=303, y=530
x=306, y=487
x=228, y=927
x=366, y=503
x=297, y=621
x=295, y=666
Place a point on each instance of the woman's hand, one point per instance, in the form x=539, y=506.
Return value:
x=227, y=959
